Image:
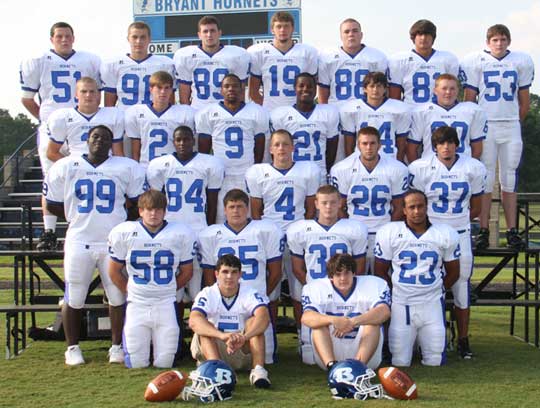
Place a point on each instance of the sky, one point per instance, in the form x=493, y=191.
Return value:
x=100, y=27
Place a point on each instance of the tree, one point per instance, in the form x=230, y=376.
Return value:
x=529, y=172
x=13, y=131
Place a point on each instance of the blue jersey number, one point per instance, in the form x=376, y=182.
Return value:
x=87, y=192
x=285, y=204
x=192, y=195
x=288, y=75
x=421, y=83
x=462, y=130
x=201, y=81
x=385, y=131
x=163, y=262
x=158, y=139
x=62, y=81
x=344, y=83
x=493, y=81
x=130, y=85
x=234, y=138
x=408, y=273
x=370, y=203
x=324, y=255
x=302, y=141
x=442, y=205
x=246, y=254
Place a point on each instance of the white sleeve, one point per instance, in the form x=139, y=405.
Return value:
x=311, y=298
x=187, y=245
x=154, y=175
x=469, y=73
x=416, y=179
x=395, y=74
x=241, y=67
x=252, y=182
x=53, y=187
x=136, y=183
x=403, y=124
x=525, y=72
x=400, y=180
x=203, y=302
x=56, y=127
x=117, y=244
x=276, y=117
x=118, y=126
x=382, y=295
x=254, y=300
x=263, y=122
x=314, y=180
x=338, y=175
x=184, y=72
x=417, y=125
x=452, y=65
x=274, y=242
x=207, y=248
x=479, y=125
x=359, y=240
x=451, y=250
x=383, y=245
x=312, y=64
x=296, y=239
x=216, y=174
x=255, y=63
x=202, y=124
x=347, y=118
x=478, y=182
x=29, y=76
x=323, y=76
x=109, y=76
x=131, y=124
x=332, y=125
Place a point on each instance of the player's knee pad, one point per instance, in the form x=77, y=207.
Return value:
x=164, y=360
x=180, y=294
x=461, y=292
x=75, y=294
x=136, y=361
x=114, y=295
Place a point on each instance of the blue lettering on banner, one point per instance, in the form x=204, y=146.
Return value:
x=179, y=5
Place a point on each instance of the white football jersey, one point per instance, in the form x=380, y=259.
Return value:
x=449, y=190
x=204, y=72
x=417, y=261
x=260, y=242
x=229, y=317
x=185, y=184
x=70, y=126
x=277, y=71
x=54, y=77
x=93, y=196
x=369, y=194
x=233, y=133
x=317, y=243
x=392, y=119
x=498, y=81
x=343, y=73
x=469, y=120
x=130, y=79
x=283, y=192
x=151, y=259
x=310, y=131
x=367, y=292
x=155, y=129
x=416, y=75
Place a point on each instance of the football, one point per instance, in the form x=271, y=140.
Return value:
x=166, y=386
x=397, y=383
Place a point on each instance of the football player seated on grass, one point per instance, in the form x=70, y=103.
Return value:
x=229, y=320
x=158, y=259
x=345, y=313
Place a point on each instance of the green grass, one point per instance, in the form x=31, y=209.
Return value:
x=505, y=373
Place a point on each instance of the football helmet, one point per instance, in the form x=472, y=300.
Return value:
x=213, y=380
x=351, y=379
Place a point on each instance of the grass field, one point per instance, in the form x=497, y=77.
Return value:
x=504, y=373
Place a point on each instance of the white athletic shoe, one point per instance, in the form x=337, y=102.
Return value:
x=74, y=355
x=259, y=377
x=116, y=354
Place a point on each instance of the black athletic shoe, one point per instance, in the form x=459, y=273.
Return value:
x=463, y=348
x=48, y=241
x=514, y=240
x=482, y=239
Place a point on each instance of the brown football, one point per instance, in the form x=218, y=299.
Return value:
x=397, y=383
x=166, y=386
